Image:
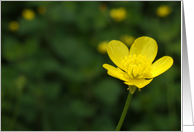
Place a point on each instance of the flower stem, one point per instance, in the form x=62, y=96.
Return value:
x=124, y=111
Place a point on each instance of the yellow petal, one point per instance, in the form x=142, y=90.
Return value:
x=161, y=65
x=117, y=52
x=115, y=72
x=140, y=83
x=145, y=46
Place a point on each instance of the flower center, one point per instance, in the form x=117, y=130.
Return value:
x=137, y=67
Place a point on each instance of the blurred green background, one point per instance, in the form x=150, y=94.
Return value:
x=51, y=66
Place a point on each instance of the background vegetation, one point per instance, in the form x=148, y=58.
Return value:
x=51, y=67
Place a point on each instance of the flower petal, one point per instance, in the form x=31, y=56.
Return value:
x=117, y=52
x=115, y=72
x=161, y=65
x=145, y=46
x=140, y=83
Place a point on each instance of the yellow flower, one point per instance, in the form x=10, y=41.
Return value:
x=13, y=25
x=135, y=66
x=102, y=47
x=42, y=9
x=163, y=11
x=28, y=14
x=118, y=14
x=128, y=40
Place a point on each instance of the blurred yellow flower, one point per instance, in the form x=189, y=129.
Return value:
x=28, y=14
x=128, y=40
x=118, y=14
x=41, y=9
x=13, y=25
x=102, y=47
x=163, y=11
x=135, y=66
x=102, y=7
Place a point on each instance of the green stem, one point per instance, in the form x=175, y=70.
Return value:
x=124, y=111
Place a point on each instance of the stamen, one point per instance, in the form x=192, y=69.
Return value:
x=135, y=70
x=137, y=66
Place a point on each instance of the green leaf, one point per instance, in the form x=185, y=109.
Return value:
x=108, y=91
x=82, y=108
x=12, y=49
x=103, y=123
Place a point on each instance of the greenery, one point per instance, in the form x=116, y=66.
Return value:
x=52, y=77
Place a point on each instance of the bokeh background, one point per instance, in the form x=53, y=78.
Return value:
x=51, y=65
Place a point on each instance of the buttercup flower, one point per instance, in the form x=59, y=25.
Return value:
x=118, y=14
x=13, y=25
x=28, y=14
x=128, y=40
x=163, y=11
x=135, y=66
x=102, y=47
